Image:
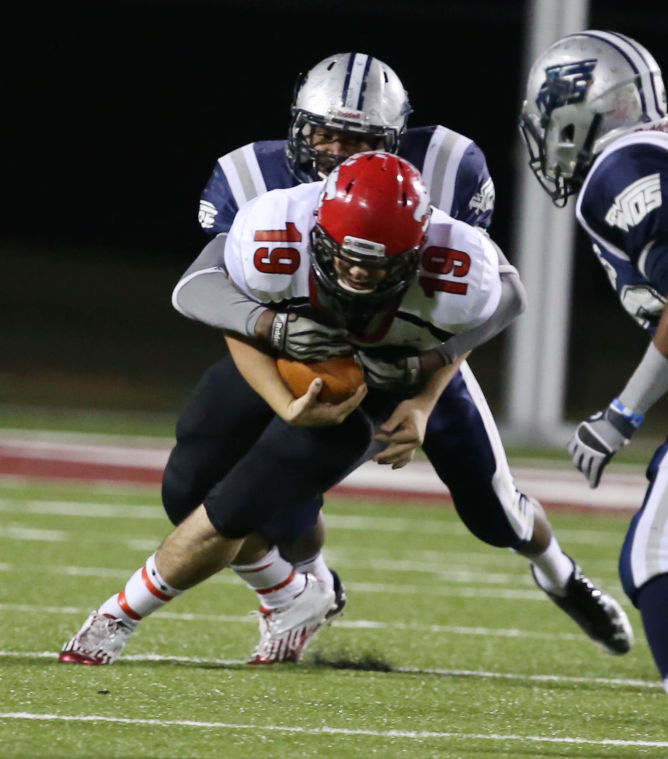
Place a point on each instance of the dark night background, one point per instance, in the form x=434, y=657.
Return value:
x=114, y=115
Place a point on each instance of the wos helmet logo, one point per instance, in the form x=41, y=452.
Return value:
x=565, y=84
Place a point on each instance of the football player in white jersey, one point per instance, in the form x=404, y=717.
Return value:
x=348, y=102
x=594, y=123
x=364, y=253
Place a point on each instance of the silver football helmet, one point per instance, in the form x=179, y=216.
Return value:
x=347, y=92
x=583, y=92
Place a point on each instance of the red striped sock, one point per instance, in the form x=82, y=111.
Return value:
x=273, y=579
x=145, y=592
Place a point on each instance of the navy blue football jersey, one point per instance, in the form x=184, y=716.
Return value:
x=623, y=206
x=453, y=167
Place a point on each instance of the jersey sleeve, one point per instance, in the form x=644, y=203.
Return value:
x=205, y=294
x=266, y=255
x=455, y=171
x=624, y=206
x=487, y=284
x=239, y=241
x=217, y=206
x=459, y=285
x=238, y=177
x=475, y=194
x=654, y=264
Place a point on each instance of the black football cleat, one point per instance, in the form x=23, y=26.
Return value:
x=597, y=613
x=340, y=598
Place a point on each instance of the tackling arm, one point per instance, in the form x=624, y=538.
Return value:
x=205, y=293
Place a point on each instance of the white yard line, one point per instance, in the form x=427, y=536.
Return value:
x=437, y=672
x=329, y=731
x=20, y=532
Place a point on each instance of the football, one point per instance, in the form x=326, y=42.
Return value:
x=340, y=377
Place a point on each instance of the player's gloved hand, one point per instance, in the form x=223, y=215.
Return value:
x=307, y=340
x=597, y=439
x=386, y=375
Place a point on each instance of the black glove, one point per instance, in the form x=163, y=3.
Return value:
x=387, y=376
x=307, y=340
x=596, y=440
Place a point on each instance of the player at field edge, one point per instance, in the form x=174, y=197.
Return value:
x=594, y=124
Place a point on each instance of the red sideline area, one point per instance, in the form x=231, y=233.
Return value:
x=50, y=456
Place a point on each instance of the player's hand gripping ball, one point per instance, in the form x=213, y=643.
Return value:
x=340, y=377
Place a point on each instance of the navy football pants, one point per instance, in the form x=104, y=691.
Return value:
x=253, y=472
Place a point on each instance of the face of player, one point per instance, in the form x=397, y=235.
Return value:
x=336, y=146
x=357, y=278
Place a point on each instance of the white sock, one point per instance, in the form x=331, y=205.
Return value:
x=274, y=579
x=553, y=568
x=145, y=592
x=316, y=566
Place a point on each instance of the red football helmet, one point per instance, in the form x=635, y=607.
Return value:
x=373, y=212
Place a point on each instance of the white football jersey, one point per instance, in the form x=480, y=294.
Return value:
x=457, y=286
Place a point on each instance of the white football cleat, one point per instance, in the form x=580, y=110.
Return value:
x=285, y=632
x=100, y=641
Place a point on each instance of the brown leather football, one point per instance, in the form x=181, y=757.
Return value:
x=340, y=377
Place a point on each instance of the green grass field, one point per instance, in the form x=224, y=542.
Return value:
x=446, y=649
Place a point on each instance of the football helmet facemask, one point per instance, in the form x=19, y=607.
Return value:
x=373, y=213
x=351, y=93
x=583, y=92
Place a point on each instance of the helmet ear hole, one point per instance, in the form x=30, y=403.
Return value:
x=568, y=133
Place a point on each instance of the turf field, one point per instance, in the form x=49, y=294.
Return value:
x=446, y=648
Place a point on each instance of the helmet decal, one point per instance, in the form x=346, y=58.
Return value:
x=565, y=84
